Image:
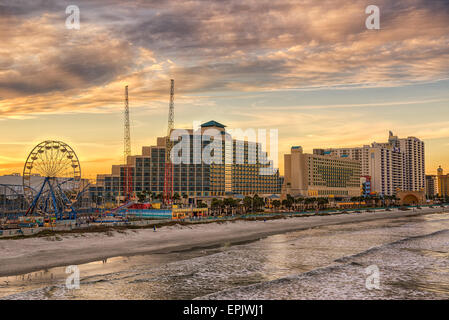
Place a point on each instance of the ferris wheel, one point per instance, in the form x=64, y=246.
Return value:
x=52, y=179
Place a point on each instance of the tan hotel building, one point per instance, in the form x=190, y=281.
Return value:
x=312, y=175
x=442, y=183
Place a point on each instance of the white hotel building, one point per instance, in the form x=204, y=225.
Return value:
x=396, y=165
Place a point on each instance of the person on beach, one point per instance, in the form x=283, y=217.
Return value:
x=154, y=228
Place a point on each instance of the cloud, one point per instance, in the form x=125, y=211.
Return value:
x=266, y=45
x=210, y=47
x=42, y=57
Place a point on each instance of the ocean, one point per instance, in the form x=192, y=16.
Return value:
x=403, y=258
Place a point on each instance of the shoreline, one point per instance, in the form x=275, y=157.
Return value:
x=21, y=256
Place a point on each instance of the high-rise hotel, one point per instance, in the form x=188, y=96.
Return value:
x=396, y=165
x=313, y=175
x=242, y=171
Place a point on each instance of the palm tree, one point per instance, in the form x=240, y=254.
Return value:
x=394, y=200
x=201, y=204
x=228, y=203
x=309, y=201
x=160, y=196
x=141, y=196
x=144, y=195
x=184, y=197
x=236, y=206
x=258, y=202
x=299, y=201
x=216, y=205
x=247, y=203
x=322, y=202
x=176, y=197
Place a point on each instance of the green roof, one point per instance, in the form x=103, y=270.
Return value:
x=213, y=123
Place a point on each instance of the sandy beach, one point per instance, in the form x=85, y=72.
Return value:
x=32, y=254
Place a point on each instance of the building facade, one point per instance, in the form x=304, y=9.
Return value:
x=442, y=183
x=366, y=185
x=313, y=175
x=415, y=169
x=392, y=166
x=240, y=171
x=431, y=186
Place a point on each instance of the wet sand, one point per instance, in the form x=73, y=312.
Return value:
x=28, y=255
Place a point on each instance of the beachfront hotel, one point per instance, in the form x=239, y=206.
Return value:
x=313, y=175
x=245, y=175
x=397, y=165
x=442, y=183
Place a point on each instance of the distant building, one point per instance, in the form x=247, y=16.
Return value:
x=314, y=175
x=383, y=163
x=414, y=166
x=443, y=183
x=393, y=166
x=365, y=181
x=407, y=198
x=13, y=183
x=431, y=186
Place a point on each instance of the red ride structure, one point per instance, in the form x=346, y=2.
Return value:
x=128, y=173
x=168, y=177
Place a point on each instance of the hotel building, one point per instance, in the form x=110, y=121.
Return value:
x=313, y=175
x=392, y=166
x=242, y=170
x=414, y=162
x=442, y=183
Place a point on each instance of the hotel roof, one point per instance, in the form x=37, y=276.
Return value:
x=213, y=123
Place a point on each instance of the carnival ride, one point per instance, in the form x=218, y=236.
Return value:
x=11, y=199
x=52, y=180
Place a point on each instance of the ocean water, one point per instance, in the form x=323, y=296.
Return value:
x=411, y=255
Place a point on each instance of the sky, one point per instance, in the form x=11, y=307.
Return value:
x=310, y=69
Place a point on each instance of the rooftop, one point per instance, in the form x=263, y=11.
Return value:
x=213, y=123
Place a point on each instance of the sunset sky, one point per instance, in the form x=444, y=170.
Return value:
x=309, y=68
